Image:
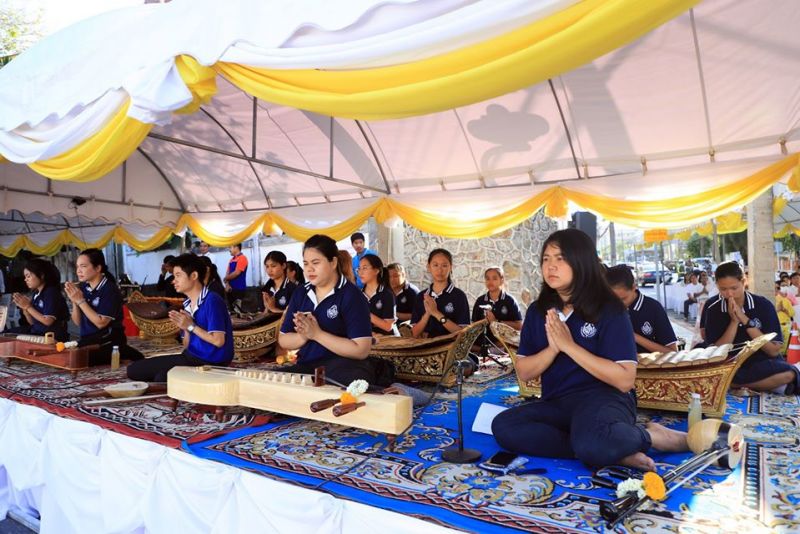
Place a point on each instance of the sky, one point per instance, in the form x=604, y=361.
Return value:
x=57, y=14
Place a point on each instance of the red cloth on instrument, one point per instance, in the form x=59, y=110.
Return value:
x=131, y=330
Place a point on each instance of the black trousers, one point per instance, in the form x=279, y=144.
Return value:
x=686, y=304
x=107, y=339
x=597, y=426
x=155, y=369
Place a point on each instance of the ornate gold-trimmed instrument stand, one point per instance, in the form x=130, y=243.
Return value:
x=150, y=315
x=255, y=335
x=428, y=359
x=666, y=381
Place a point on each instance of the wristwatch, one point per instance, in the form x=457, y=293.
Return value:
x=190, y=328
x=443, y=319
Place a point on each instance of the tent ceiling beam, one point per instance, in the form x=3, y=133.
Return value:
x=250, y=163
x=469, y=146
x=374, y=156
x=163, y=176
x=260, y=161
x=566, y=129
x=103, y=200
x=28, y=226
x=703, y=92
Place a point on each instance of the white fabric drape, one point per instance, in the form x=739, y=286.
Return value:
x=81, y=478
x=288, y=35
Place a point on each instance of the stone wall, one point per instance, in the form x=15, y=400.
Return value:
x=517, y=250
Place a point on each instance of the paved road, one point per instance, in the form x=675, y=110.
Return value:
x=682, y=328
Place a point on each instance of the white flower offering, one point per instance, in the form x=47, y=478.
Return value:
x=357, y=387
x=630, y=485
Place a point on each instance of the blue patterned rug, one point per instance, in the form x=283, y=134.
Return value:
x=761, y=495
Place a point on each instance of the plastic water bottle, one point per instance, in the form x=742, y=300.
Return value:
x=115, y=357
x=695, y=410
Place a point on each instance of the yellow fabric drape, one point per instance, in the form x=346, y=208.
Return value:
x=679, y=210
x=99, y=154
x=113, y=143
x=519, y=59
x=66, y=237
x=715, y=203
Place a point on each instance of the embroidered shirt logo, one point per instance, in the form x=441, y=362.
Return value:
x=40, y=304
x=333, y=312
x=449, y=308
x=95, y=301
x=647, y=328
x=504, y=310
x=379, y=305
x=588, y=330
x=282, y=301
x=756, y=323
x=403, y=300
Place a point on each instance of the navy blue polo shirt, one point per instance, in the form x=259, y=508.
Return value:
x=708, y=303
x=757, y=308
x=650, y=320
x=344, y=312
x=283, y=294
x=51, y=303
x=452, y=303
x=505, y=308
x=106, y=301
x=382, y=305
x=611, y=337
x=406, y=298
x=211, y=314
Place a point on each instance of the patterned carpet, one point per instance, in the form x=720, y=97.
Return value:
x=760, y=496
x=154, y=420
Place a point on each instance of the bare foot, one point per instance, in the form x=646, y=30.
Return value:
x=640, y=461
x=665, y=439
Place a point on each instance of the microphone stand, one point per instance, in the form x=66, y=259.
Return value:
x=458, y=454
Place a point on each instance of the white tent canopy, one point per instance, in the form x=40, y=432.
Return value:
x=707, y=99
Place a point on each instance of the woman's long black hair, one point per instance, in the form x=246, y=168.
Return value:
x=589, y=291
x=98, y=259
x=44, y=271
x=377, y=263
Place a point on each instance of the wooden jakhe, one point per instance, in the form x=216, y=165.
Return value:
x=390, y=414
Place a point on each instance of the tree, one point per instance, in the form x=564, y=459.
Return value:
x=698, y=246
x=19, y=29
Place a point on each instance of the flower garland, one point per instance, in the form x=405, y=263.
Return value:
x=354, y=390
x=651, y=485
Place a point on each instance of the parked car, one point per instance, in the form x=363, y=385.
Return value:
x=648, y=274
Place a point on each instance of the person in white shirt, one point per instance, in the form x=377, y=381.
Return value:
x=693, y=292
x=794, y=284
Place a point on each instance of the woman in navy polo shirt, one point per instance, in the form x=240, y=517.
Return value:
x=736, y=316
x=277, y=292
x=295, y=273
x=442, y=308
x=46, y=310
x=504, y=307
x=97, y=308
x=204, y=322
x=328, y=320
x=374, y=278
x=578, y=338
x=405, y=293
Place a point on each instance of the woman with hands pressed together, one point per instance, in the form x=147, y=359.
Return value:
x=204, y=322
x=578, y=338
x=442, y=308
x=735, y=316
x=45, y=310
x=97, y=308
x=375, y=281
x=328, y=319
